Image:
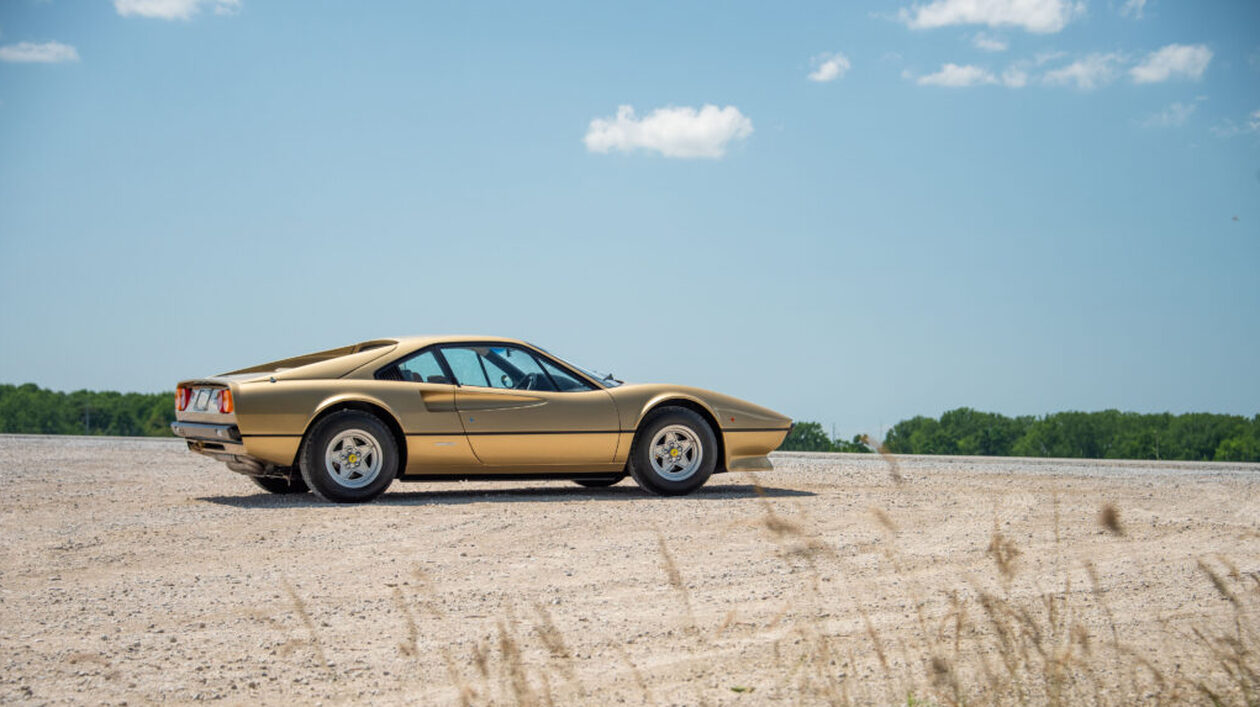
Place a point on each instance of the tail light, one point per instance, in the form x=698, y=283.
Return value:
x=182, y=397
x=225, y=401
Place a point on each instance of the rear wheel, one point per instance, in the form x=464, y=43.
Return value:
x=674, y=452
x=349, y=457
x=600, y=483
x=281, y=485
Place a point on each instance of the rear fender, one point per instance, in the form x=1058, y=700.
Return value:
x=366, y=403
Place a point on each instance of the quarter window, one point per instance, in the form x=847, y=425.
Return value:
x=466, y=365
x=422, y=369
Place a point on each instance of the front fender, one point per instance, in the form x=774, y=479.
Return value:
x=667, y=397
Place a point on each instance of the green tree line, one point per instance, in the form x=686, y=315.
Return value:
x=34, y=410
x=810, y=437
x=1109, y=434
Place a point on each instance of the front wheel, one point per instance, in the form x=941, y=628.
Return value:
x=674, y=452
x=349, y=457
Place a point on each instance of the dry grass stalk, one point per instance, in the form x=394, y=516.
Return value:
x=885, y=520
x=554, y=641
x=1096, y=588
x=1109, y=518
x=429, y=600
x=1004, y=553
x=409, y=645
x=726, y=623
x=300, y=607
x=513, y=666
x=674, y=577
x=635, y=673
x=894, y=470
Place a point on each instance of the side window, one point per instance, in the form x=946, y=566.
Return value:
x=521, y=369
x=466, y=365
x=422, y=369
x=498, y=371
x=505, y=367
x=564, y=381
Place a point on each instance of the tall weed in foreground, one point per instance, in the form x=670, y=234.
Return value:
x=909, y=636
x=999, y=642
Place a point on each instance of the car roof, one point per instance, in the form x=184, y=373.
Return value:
x=420, y=341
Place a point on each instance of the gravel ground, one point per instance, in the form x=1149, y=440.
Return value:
x=134, y=571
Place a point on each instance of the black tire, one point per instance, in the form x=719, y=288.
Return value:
x=650, y=478
x=334, y=431
x=600, y=482
x=281, y=485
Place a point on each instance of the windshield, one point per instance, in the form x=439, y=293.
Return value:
x=605, y=379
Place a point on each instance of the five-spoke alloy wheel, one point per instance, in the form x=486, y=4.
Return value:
x=349, y=457
x=674, y=452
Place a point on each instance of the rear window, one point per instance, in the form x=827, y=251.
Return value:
x=317, y=357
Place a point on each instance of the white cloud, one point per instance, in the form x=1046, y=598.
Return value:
x=174, y=9
x=39, y=52
x=1133, y=8
x=1015, y=77
x=1040, y=16
x=955, y=76
x=674, y=132
x=829, y=67
x=988, y=43
x=1046, y=57
x=1174, y=115
x=1174, y=60
x=1088, y=73
x=1228, y=128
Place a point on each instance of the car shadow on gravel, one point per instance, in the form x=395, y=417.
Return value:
x=628, y=492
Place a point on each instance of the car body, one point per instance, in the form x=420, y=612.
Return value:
x=458, y=407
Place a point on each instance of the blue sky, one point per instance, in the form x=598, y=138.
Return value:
x=849, y=212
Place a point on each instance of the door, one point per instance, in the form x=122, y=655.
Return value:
x=519, y=408
x=425, y=402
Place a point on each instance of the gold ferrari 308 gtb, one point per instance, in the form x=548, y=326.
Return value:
x=345, y=423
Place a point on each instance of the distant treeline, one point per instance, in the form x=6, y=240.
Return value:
x=810, y=437
x=33, y=410
x=1109, y=434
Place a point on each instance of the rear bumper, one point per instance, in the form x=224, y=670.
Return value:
x=204, y=431
x=256, y=456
